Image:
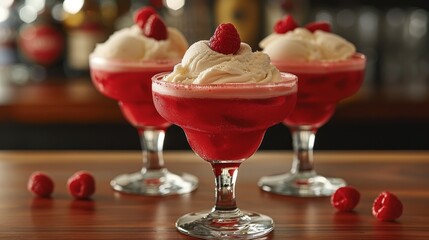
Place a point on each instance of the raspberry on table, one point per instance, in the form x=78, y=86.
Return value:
x=387, y=207
x=81, y=185
x=285, y=24
x=155, y=28
x=225, y=39
x=345, y=198
x=40, y=184
x=320, y=25
x=142, y=15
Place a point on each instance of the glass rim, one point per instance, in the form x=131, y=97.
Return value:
x=227, y=90
x=291, y=79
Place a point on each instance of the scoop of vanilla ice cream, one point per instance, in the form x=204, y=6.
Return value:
x=292, y=49
x=123, y=44
x=202, y=65
x=130, y=44
x=303, y=45
x=333, y=47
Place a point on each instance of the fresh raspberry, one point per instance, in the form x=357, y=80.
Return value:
x=225, y=39
x=142, y=15
x=155, y=28
x=285, y=24
x=345, y=198
x=40, y=184
x=313, y=26
x=81, y=185
x=387, y=207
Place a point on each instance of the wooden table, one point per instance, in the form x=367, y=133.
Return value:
x=110, y=215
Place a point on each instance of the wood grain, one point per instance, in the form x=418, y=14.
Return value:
x=110, y=215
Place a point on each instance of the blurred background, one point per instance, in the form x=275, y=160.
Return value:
x=47, y=100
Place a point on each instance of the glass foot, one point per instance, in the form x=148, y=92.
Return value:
x=155, y=183
x=224, y=225
x=307, y=184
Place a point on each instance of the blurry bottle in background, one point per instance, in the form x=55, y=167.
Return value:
x=367, y=42
x=392, y=64
x=40, y=40
x=176, y=14
x=112, y=11
x=405, y=58
x=416, y=54
x=83, y=23
x=8, y=31
x=246, y=15
x=8, y=49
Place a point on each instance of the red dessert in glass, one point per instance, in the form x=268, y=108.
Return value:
x=322, y=84
x=130, y=84
x=223, y=128
x=225, y=124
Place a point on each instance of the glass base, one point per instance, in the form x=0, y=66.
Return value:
x=304, y=184
x=224, y=225
x=155, y=183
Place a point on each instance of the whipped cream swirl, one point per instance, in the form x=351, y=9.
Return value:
x=202, y=65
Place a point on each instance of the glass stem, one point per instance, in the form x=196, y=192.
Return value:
x=303, y=143
x=152, y=143
x=226, y=176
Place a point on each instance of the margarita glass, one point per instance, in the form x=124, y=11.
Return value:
x=224, y=125
x=321, y=86
x=130, y=84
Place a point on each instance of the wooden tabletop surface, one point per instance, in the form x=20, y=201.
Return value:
x=110, y=215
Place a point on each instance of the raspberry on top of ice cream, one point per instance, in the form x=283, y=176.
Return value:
x=224, y=59
x=313, y=42
x=225, y=39
x=285, y=24
x=148, y=39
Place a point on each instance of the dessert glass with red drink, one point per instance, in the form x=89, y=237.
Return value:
x=224, y=124
x=130, y=84
x=321, y=86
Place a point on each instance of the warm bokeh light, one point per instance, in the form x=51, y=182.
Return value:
x=418, y=23
x=324, y=16
x=37, y=5
x=346, y=18
x=174, y=4
x=27, y=14
x=4, y=14
x=395, y=17
x=73, y=6
x=57, y=12
x=6, y=4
